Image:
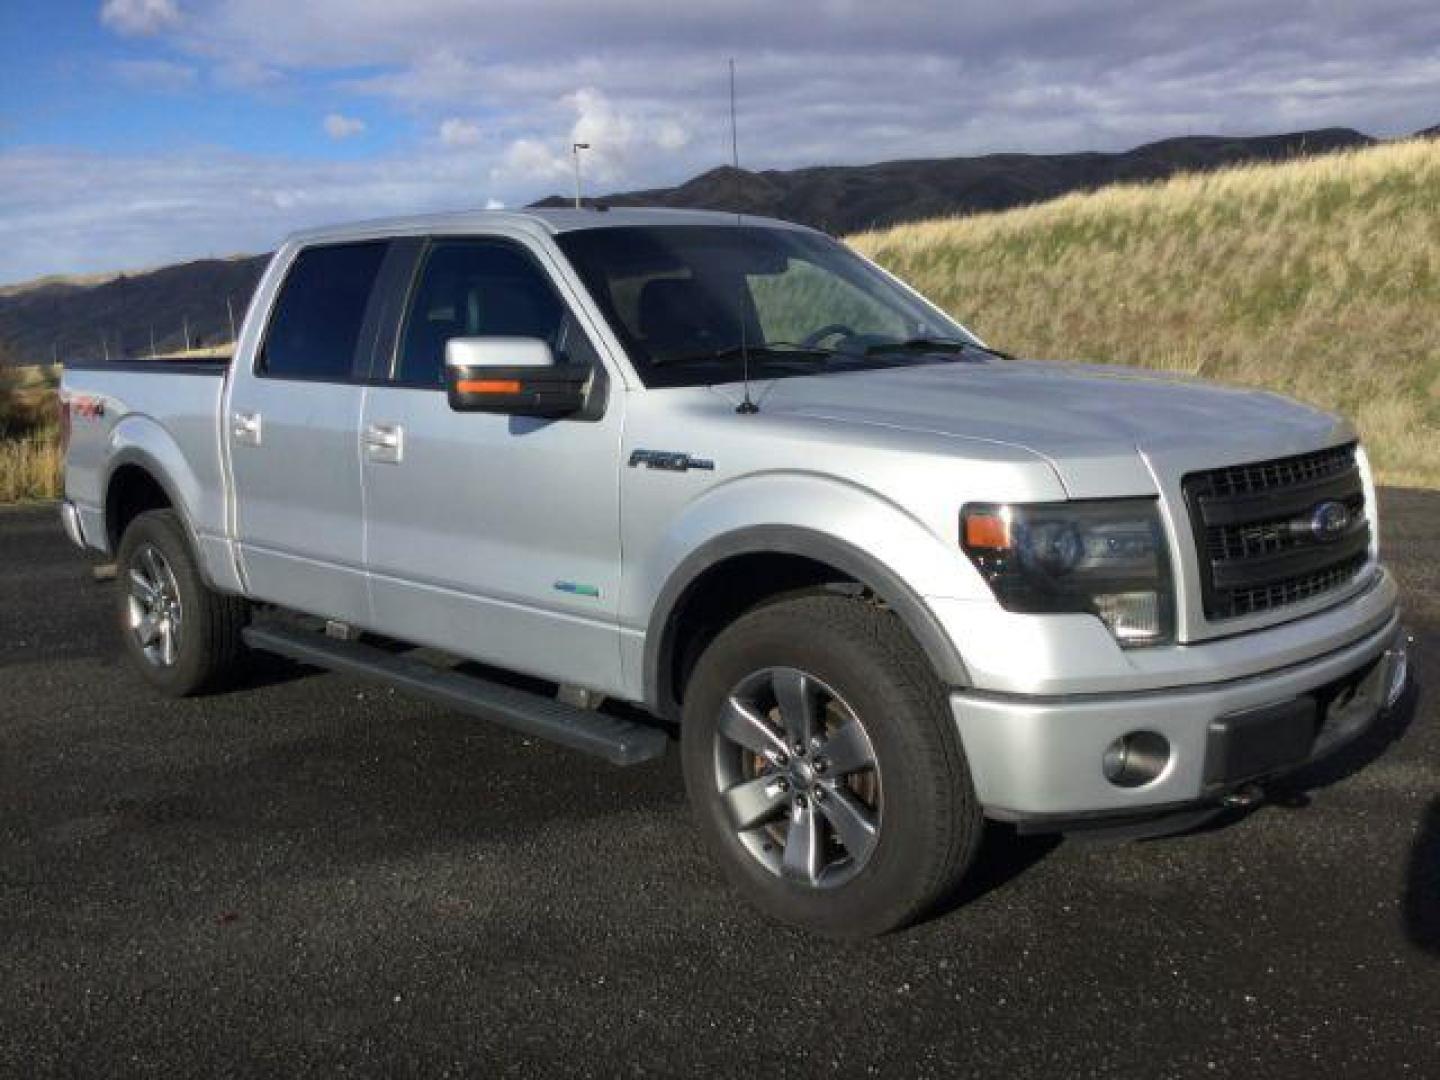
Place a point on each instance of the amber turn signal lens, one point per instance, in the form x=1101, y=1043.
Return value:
x=986, y=531
x=488, y=386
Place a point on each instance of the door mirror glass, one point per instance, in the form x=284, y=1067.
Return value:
x=513, y=375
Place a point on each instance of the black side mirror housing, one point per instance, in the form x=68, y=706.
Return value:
x=514, y=376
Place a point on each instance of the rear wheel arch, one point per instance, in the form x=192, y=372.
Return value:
x=131, y=490
x=737, y=572
x=136, y=484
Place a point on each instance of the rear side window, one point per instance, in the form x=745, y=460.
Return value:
x=319, y=313
x=482, y=288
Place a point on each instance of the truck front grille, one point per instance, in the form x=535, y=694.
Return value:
x=1261, y=530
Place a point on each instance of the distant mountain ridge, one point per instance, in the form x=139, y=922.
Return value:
x=130, y=313
x=850, y=198
x=118, y=316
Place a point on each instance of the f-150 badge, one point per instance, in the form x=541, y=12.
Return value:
x=669, y=461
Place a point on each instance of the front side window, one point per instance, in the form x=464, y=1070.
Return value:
x=688, y=301
x=482, y=288
x=318, y=316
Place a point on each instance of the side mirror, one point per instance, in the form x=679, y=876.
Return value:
x=513, y=375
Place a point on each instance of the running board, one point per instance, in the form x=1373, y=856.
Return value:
x=618, y=741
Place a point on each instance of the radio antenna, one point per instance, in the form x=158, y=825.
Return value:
x=748, y=406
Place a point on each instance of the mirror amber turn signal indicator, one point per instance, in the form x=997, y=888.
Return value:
x=553, y=390
x=488, y=386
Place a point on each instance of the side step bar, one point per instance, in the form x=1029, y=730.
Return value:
x=618, y=741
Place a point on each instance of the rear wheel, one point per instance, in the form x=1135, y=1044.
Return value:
x=825, y=768
x=183, y=636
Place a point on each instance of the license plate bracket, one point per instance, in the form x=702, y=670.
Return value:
x=1253, y=742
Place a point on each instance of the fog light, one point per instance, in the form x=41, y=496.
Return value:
x=1399, y=671
x=1134, y=617
x=1136, y=759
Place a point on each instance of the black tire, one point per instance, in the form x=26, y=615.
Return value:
x=928, y=822
x=207, y=648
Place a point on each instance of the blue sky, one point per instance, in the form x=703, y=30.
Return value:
x=139, y=132
x=69, y=81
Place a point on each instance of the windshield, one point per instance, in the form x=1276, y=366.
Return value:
x=684, y=299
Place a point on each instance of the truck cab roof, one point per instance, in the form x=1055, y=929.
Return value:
x=554, y=220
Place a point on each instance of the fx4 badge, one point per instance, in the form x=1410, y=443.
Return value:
x=669, y=461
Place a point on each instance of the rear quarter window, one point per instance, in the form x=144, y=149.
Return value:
x=315, y=327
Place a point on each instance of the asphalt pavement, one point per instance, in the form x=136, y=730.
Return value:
x=310, y=875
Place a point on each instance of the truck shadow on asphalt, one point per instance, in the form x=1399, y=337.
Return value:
x=1421, y=900
x=1004, y=855
x=1422, y=883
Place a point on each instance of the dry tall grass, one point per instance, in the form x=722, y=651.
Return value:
x=30, y=462
x=1318, y=278
x=30, y=467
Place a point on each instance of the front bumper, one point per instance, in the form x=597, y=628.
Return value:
x=1040, y=761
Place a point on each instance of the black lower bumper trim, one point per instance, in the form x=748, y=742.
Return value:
x=1125, y=824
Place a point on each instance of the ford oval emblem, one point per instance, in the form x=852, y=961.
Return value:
x=1329, y=519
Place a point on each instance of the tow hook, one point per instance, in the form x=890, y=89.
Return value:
x=1244, y=798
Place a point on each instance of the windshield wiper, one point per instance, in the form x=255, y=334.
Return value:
x=774, y=350
x=934, y=345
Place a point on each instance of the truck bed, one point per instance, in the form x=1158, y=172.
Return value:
x=161, y=412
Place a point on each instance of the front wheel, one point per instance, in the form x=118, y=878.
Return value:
x=825, y=769
x=183, y=636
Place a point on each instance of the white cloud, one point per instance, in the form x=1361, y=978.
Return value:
x=529, y=159
x=163, y=76
x=245, y=74
x=139, y=18
x=343, y=127
x=610, y=133
x=457, y=132
x=616, y=141
x=669, y=135
x=494, y=204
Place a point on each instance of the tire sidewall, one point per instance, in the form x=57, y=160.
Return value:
x=161, y=529
x=913, y=805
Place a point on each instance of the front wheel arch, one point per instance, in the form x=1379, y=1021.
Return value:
x=839, y=562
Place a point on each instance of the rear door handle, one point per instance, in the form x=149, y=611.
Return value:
x=384, y=443
x=245, y=427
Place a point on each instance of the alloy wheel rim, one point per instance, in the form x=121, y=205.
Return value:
x=798, y=777
x=153, y=606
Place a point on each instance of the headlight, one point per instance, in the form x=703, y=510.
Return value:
x=1105, y=558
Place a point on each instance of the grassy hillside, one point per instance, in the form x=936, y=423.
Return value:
x=1319, y=278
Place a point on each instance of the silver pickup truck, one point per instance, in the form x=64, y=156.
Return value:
x=669, y=470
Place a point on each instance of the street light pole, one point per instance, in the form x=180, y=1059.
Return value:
x=575, y=149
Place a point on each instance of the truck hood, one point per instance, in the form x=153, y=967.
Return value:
x=1096, y=425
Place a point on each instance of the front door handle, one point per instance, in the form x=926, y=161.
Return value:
x=246, y=428
x=384, y=443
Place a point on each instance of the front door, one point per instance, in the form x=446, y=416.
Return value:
x=491, y=536
x=292, y=425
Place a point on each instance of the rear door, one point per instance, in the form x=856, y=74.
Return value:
x=293, y=425
x=492, y=536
